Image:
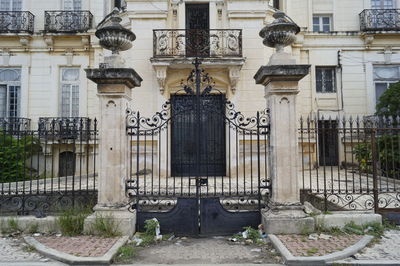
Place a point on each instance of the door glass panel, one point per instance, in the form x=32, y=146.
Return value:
x=3, y=100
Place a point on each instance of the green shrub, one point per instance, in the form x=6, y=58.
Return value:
x=13, y=154
x=124, y=254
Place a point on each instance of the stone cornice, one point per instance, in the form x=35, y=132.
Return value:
x=125, y=76
x=267, y=74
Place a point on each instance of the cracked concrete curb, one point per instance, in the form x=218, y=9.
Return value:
x=321, y=260
x=366, y=262
x=75, y=260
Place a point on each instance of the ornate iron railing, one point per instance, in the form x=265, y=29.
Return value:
x=16, y=21
x=380, y=19
x=197, y=43
x=11, y=124
x=68, y=21
x=65, y=127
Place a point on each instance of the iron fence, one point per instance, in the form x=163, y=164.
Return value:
x=68, y=21
x=40, y=174
x=197, y=43
x=65, y=127
x=380, y=19
x=351, y=163
x=16, y=21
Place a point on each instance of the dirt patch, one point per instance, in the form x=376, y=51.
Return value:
x=216, y=250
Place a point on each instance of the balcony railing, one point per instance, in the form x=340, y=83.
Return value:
x=197, y=43
x=16, y=21
x=380, y=20
x=15, y=124
x=65, y=127
x=68, y=21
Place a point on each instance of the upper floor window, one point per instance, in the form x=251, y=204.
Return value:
x=382, y=4
x=72, y=5
x=10, y=90
x=325, y=79
x=322, y=23
x=121, y=4
x=384, y=77
x=70, y=92
x=10, y=5
x=275, y=4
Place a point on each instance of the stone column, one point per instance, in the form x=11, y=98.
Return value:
x=286, y=213
x=114, y=91
x=281, y=79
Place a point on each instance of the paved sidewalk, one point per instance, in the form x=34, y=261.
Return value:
x=388, y=249
x=14, y=251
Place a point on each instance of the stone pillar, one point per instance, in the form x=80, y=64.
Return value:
x=285, y=214
x=114, y=91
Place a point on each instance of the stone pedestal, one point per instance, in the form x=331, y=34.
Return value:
x=286, y=213
x=114, y=91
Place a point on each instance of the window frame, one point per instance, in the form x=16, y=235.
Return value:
x=382, y=4
x=388, y=81
x=321, y=22
x=73, y=5
x=71, y=84
x=8, y=85
x=11, y=5
x=334, y=79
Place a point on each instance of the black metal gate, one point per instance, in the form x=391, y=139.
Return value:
x=198, y=166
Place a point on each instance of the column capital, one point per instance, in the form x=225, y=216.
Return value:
x=281, y=73
x=113, y=76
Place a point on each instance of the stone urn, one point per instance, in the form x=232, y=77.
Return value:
x=279, y=34
x=114, y=37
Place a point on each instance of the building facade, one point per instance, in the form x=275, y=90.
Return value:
x=353, y=47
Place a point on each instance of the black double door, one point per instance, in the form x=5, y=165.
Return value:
x=197, y=30
x=185, y=141
x=328, y=143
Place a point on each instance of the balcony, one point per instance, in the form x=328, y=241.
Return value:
x=197, y=43
x=14, y=124
x=16, y=22
x=67, y=21
x=380, y=20
x=78, y=128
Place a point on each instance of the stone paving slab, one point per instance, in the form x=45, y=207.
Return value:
x=16, y=251
x=82, y=246
x=301, y=245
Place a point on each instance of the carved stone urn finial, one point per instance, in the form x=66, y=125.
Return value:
x=279, y=34
x=113, y=36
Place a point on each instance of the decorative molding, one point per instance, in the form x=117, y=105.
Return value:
x=161, y=75
x=387, y=54
x=24, y=41
x=85, y=42
x=6, y=54
x=69, y=54
x=49, y=42
x=368, y=40
x=234, y=76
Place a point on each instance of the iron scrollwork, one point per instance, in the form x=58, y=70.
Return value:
x=380, y=19
x=68, y=21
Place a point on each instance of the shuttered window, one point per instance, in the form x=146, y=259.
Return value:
x=10, y=90
x=325, y=79
x=10, y=5
x=70, y=92
x=382, y=4
x=72, y=4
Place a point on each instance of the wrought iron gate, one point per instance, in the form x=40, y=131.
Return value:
x=198, y=166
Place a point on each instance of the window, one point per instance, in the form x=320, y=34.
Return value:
x=10, y=5
x=121, y=4
x=322, y=23
x=382, y=4
x=72, y=4
x=275, y=4
x=69, y=92
x=10, y=90
x=326, y=79
x=384, y=76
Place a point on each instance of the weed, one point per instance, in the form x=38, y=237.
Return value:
x=305, y=231
x=303, y=239
x=238, y=236
x=327, y=212
x=125, y=253
x=151, y=226
x=311, y=251
x=34, y=228
x=105, y=226
x=166, y=237
x=13, y=225
x=389, y=225
x=147, y=240
x=252, y=233
x=71, y=221
x=29, y=248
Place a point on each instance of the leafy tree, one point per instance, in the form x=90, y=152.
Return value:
x=389, y=102
x=14, y=151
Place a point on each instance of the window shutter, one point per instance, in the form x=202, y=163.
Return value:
x=3, y=100
x=318, y=75
x=65, y=100
x=68, y=5
x=75, y=101
x=16, y=5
